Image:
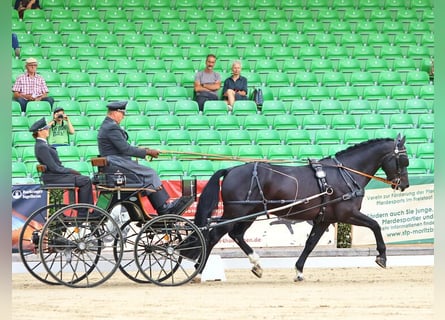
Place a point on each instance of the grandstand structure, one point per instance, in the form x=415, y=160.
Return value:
x=333, y=73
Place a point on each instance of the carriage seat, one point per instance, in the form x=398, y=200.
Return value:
x=114, y=177
x=58, y=188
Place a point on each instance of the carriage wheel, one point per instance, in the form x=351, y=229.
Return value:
x=169, y=250
x=29, y=243
x=84, y=246
x=128, y=267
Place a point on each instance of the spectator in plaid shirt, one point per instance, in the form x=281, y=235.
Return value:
x=30, y=86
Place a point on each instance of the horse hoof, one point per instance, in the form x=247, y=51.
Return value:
x=256, y=270
x=298, y=278
x=381, y=262
x=196, y=279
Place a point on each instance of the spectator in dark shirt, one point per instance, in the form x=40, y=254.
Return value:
x=235, y=87
x=22, y=5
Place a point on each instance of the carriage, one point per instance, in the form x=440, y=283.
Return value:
x=59, y=247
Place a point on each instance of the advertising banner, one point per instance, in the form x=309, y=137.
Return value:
x=404, y=217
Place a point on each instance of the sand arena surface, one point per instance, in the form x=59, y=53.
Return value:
x=327, y=293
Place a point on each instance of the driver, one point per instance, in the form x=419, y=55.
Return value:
x=113, y=145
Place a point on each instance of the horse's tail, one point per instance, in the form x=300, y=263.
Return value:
x=209, y=198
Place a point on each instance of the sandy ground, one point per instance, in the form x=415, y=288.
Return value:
x=340, y=293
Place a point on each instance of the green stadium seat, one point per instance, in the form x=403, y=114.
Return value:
x=38, y=108
x=31, y=52
x=297, y=137
x=302, y=107
x=255, y=122
x=18, y=169
x=401, y=121
x=113, y=53
x=34, y=16
x=208, y=137
x=372, y=122
x=95, y=108
x=380, y=15
x=416, y=106
x=68, y=153
x=105, y=40
x=183, y=107
x=167, y=122
x=19, y=123
x=425, y=121
x=79, y=122
x=163, y=79
x=343, y=122
x=200, y=168
x=114, y=15
x=175, y=94
x=60, y=93
x=274, y=107
x=215, y=107
x=388, y=106
x=267, y=137
x=97, y=65
x=417, y=167
x=415, y=135
x=178, y=137
x=84, y=138
x=106, y=79
x=418, y=52
x=284, y=122
x=219, y=151
x=314, y=122
x=327, y=136
x=145, y=93
x=297, y=40
x=417, y=78
x=148, y=138
x=327, y=107
x=389, y=78
x=249, y=152
x=124, y=66
x=87, y=94
x=48, y=40
x=348, y=65
x=317, y=93
x=425, y=151
x=375, y=92
x=238, y=137
x=15, y=108
x=135, y=79
x=333, y=79
x=156, y=107
x=359, y=106
x=18, y=26
x=402, y=92
x=68, y=27
x=355, y=136
x=116, y=94
x=227, y=122
x=241, y=41
x=361, y=78
x=280, y=152
x=85, y=53
x=54, y=4
x=171, y=169
x=77, y=79
x=309, y=151
x=196, y=122
x=385, y=133
x=244, y=107
x=89, y=17
x=354, y=15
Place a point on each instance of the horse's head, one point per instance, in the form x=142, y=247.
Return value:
x=395, y=165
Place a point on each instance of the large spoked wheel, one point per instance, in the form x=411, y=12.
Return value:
x=84, y=245
x=169, y=250
x=29, y=243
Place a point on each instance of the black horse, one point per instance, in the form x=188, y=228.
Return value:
x=326, y=191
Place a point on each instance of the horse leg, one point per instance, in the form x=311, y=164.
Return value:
x=237, y=234
x=212, y=238
x=362, y=220
x=317, y=231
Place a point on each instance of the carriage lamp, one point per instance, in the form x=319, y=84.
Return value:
x=119, y=178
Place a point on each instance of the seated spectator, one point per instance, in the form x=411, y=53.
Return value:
x=30, y=86
x=207, y=83
x=235, y=87
x=16, y=45
x=60, y=129
x=22, y=5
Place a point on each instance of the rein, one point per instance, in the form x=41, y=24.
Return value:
x=223, y=157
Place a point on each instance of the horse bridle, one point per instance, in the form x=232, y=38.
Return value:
x=393, y=181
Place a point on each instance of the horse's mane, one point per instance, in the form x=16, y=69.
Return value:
x=362, y=144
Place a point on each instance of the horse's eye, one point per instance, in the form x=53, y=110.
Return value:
x=404, y=161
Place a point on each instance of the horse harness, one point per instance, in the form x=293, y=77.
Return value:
x=325, y=190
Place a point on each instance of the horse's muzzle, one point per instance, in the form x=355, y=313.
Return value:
x=399, y=184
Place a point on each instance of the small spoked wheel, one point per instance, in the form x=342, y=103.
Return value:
x=29, y=243
x=76, y=245
x=169, y=250
x=128, y=267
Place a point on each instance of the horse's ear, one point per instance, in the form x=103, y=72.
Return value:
x=400, y=141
